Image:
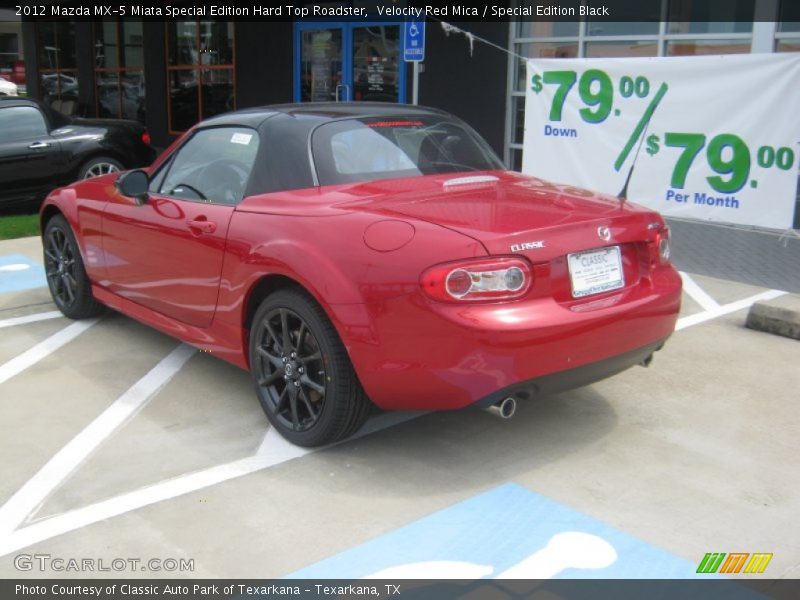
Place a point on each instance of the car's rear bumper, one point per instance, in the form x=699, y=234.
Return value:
x=574, y=378
x=413, y=354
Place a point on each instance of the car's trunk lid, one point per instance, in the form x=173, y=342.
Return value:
x=510, y=213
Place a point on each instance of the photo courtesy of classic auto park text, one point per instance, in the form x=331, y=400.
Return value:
x=400, y=299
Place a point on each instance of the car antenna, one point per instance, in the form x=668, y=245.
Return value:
x=623, y=193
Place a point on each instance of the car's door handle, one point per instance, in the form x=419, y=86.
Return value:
x=39, y=145
x=202, y=224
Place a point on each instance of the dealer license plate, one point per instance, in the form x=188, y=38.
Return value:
x=595, y=271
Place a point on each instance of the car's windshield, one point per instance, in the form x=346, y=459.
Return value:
x=367, y=149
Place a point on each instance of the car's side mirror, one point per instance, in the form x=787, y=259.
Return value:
x=134, y=184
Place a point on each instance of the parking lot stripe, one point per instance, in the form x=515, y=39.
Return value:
x=44, y=316
x=273, y=451
x=725, y=309
x=697, y=293
x=43, y=349
x=58, y=468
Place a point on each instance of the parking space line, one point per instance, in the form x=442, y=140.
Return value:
x=58, y=468
x=725, y=309
x=43, y=316
x=273, y=451
x=43, y=349
x=697, y=293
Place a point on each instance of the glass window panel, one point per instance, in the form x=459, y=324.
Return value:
x=216, y=43
x=788, y=46
x=515, y=159
x=47, y=46
x=375, y=63
x=132, y=54
x=182, y=38
x=789, y=16
x=697, y=47
x=60, y=91
x=105, y=45
x=536, y=29
x=21, y=122
x=133, y=96
x=595, y=28
x=107, y=89
x=542, y=50
x=9, y=47
x=216, y=163
x=518, y=119
x=620, y=49
x=641, y=18
x=217, y=92
x=321, y=64
x=65, y=39
x=183, y=99
x=711, y=16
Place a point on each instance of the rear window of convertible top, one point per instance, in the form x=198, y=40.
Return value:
x=353, y=150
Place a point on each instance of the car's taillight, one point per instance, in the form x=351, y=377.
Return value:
x=478, y=279
x=146, y=138
x=663, y=245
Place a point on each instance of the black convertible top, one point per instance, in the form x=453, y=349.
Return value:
x=283, y=162
x=318, y=111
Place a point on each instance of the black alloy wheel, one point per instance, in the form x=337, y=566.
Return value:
x=66, y=276
x=291, y=369
x=302, y=373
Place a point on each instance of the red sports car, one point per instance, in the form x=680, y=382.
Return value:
x=350, y=254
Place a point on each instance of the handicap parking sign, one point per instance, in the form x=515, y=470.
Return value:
x=414, y=40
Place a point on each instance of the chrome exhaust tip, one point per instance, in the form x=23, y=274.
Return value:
x=504, y=409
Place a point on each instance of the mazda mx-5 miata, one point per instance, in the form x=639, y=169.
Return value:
x=358, y=254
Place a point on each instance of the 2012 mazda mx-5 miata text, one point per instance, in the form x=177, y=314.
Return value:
x=351, y=254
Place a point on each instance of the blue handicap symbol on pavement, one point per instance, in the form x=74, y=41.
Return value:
x=506, y=532
x=18, y=272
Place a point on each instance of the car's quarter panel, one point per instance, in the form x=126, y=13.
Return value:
x=324, y=252
x=166, y=254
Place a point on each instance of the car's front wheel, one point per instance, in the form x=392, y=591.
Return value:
x=66, y=275
x=303, y=376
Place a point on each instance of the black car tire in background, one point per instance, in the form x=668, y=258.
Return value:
x=98, y=166
x=66, y=276
x=303, y=376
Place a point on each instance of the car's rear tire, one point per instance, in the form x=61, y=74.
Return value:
x=66, y=275
x=303, y=376
x=98, y=166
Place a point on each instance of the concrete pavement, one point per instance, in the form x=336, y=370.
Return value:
x=695, y=454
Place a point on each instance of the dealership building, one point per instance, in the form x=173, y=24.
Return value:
x=170, y=74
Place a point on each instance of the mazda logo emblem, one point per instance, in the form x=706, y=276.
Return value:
x=604, y=233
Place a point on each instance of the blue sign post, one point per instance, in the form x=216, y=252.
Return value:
x=414, y=40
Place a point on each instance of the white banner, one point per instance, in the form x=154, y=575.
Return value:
x=710, y=137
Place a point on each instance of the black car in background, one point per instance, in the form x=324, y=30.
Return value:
x=41, y=149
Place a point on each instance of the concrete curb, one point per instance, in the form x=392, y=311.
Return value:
x=780, y=316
